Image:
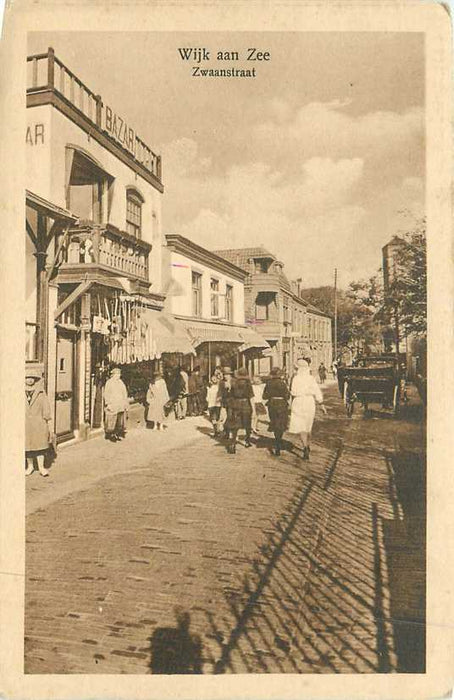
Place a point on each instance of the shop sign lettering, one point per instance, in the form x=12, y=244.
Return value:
x=35, y=134
x=119, y=130
x=116, y=127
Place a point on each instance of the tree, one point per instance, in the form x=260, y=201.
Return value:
x=366, y=331
x=405, y=298
x=356, y=330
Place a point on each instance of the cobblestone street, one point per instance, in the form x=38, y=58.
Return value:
x=165, y=554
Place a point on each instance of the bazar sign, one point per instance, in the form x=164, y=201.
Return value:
x=119, y=130
x=116, y=127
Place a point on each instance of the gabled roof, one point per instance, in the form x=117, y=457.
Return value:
x=241, y=256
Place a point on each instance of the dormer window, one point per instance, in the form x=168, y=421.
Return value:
x=134, y=203
x=261, y=265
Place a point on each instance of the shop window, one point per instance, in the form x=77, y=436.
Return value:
x=214, y=300
x=229, y=302
x=134, y=213
x=87, y=189
x=196, y=294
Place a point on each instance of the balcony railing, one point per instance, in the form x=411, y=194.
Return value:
x=107, y=246
x=264, y=282
x=46, y=72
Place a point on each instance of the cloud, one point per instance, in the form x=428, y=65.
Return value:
x=325, y=128
x=326, y=191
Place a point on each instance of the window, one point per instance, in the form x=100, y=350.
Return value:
x=88, y=185
x=261, y=265
x=261, y=307
x=286, y=310
x=134, y=213
x=229, y=302
x=214, y=286
x=196, y=294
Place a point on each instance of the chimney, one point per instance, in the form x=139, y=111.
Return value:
x=299, y=282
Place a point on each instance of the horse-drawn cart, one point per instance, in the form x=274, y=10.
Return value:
x=372, y=380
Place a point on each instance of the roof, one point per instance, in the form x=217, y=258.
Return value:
x=241, y=256
x=315, y=310
x=210, y=258
x=50, y=209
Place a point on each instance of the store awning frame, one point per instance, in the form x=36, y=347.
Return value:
x=245, y=338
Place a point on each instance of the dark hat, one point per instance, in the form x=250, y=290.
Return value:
x=275, y=372
x=242, y=372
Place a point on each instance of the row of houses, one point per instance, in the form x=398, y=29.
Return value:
x=105, y=285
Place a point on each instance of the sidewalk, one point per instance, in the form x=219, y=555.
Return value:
x=81, y=465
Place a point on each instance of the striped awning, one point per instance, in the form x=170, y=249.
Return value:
x=246, y=338
x=169, y=334
x=253, y=340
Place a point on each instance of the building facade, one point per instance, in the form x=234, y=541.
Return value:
x=93, y=246
x=276, y=310
x=206, y=294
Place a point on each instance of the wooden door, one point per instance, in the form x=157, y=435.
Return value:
x=65, y=386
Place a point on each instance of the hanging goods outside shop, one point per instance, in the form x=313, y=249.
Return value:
x=123, y=323
x=136, y=333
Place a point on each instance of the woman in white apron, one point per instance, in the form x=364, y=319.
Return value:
x=305, y=393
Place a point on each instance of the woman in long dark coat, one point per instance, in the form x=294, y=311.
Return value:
x=277, y=395
x=37, y=420
x=241, y=396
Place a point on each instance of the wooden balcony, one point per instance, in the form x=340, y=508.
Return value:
x=264, y=282
x=93, y=247
x=270, y=330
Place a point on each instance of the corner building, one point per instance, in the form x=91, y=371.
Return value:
x=93, y=247
x=276, y=310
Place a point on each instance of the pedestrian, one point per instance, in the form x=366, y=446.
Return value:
x=218, y=373
x=305, y=393
x=203, y=389
x=241, y=396
x=194, y=382
x=258, y=407
x=157, y=397
x=177, y=392
x=277, y=395
x=214, y=404
x=38, y=436
x=322, y=372
x=184, y=398
x=335, y=366
x=225, y=388
x=116, y=405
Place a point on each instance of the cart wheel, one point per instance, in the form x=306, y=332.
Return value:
x=396, y=400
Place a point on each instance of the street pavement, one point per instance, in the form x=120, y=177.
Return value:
x=165, y=554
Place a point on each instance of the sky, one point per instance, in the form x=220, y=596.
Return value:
x=320, y=158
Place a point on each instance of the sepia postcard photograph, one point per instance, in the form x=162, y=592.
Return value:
x=228, y=351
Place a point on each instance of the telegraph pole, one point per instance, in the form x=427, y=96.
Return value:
x=335, y=313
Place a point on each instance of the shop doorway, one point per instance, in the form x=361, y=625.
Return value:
x=65, y=394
